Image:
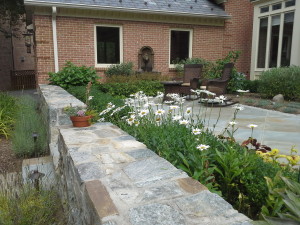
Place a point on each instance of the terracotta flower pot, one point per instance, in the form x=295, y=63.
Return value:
x=81, y=121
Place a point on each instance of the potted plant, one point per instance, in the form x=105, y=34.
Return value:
x=82, y=117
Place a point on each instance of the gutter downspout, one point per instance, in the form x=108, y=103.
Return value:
x=55, y=49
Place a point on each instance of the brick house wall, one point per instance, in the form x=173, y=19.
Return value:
x=238, y=32
x=75, y=36
x=14, y=56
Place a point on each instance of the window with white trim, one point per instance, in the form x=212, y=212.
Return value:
x=180, y=45
x=275, y=32
x=108, y=45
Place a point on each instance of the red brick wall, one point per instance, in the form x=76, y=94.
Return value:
x=43, y=47
x=76, y=40
x=238, y=32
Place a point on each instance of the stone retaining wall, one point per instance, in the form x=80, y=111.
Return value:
x=109, y=178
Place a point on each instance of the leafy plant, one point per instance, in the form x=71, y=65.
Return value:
x=136, y=77
x=30, y=206
x=251, y=85
x=290, y=199
x=284, y=80
x=72, y=75
x=8, y=109
x=126, y=89
x=289, y=110
x=6, y=124
x=29, y=123
x=237, y=81
x=122, y=69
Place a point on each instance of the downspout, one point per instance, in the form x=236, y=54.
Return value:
x=55, y=49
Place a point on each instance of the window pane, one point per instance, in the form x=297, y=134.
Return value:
x=264, y=9
x=180, y=41
x=274, y=41
x=108, y=45
x=277, y=6
x=262, y=43
x=287, y=38
x=290, y=3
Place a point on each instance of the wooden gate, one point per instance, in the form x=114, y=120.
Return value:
x=23, y=79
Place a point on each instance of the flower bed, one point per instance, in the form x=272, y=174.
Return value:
x=225, y=167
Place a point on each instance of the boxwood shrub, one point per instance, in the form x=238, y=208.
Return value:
x=284, y=80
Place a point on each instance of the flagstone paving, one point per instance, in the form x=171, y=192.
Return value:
x=275, y=129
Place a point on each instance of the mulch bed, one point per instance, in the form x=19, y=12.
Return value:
x=8, y=161
x=254, y=99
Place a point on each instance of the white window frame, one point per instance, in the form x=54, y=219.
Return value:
x=190, y=44
x=269, y=15
x=102, y=65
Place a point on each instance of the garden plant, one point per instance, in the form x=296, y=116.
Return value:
x=176, y=133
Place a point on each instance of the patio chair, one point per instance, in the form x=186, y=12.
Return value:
x=219, y=85
x=191, y=77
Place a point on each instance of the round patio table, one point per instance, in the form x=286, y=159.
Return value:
x=171, y=87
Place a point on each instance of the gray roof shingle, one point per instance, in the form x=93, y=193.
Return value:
x=188, y=7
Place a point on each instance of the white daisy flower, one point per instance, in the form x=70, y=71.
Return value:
x=143, y=113
x=251, y=125
x=232, y=123
x=174, y=107
x=238, y=107
x=202, y=147
x=176, y=118
x=188, y=111
x=183, y=122
x=130, y=121
x=196, y=131
x=159, y=112
x=90, y=98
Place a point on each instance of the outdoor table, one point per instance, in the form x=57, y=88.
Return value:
x=171, y=87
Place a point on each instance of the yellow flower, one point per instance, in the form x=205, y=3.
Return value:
x=274, y=151
x=294, y=150
x=259, y=153
x=293, y=159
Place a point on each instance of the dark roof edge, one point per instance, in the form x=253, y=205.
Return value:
x=220, y=1
x=83, y=6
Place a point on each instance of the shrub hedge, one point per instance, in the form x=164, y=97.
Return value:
x=284, y=80
x=72, y=75
x=123, y=90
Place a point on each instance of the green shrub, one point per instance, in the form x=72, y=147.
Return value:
x=251, y=85
x=8, y=109
x=28, y=123
x=126, y=89
x=136, y=77
x=285, y=81
x=100, y=99
x=207, y=71
x=237, y=82
x=123, y=69
x=30, y=207
x=289, y=110
x=72, y=75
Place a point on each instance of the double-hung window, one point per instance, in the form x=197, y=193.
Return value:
x=108, y=45
x=275, y=32
x=180, y=45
